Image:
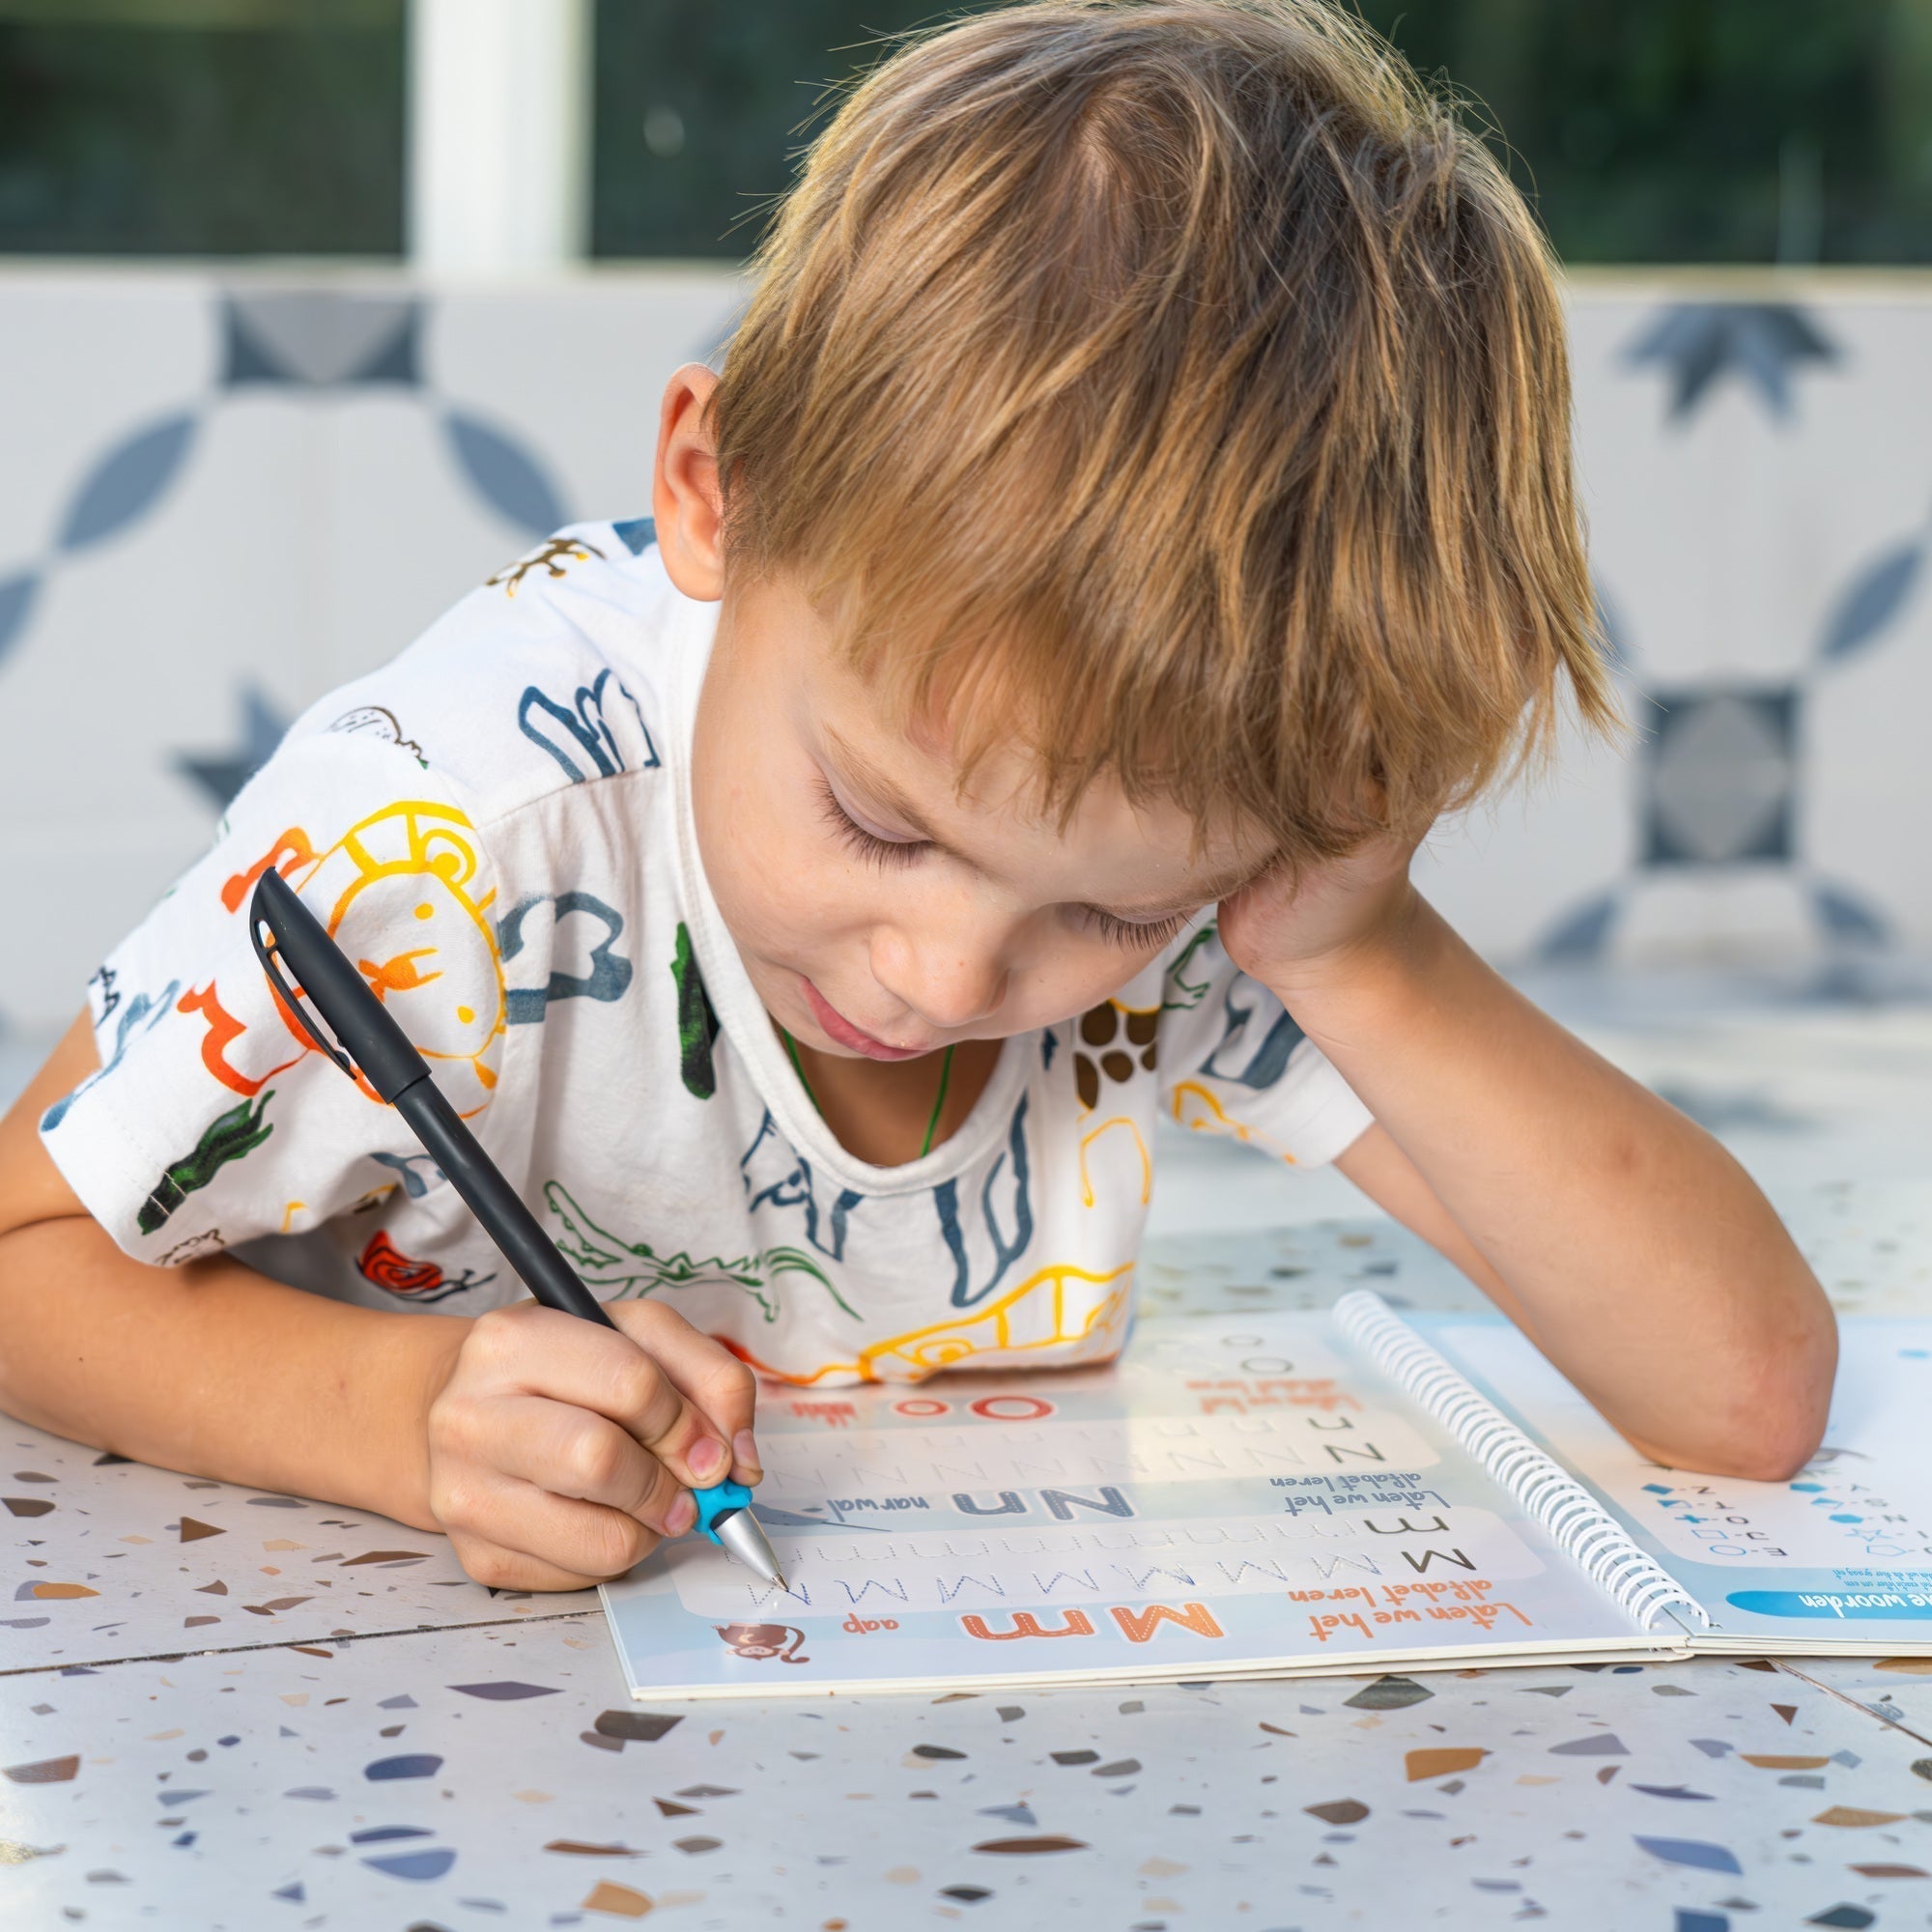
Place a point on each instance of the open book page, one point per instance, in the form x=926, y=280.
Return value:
x=1237, y=1497
x=1838, y=1557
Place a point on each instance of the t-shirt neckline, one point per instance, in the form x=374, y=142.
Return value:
x=742, y=1014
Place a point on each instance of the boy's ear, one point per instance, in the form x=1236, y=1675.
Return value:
x=684, y=501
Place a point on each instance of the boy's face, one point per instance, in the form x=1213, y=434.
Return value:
x=879, y=913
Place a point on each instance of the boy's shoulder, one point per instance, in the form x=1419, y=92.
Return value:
x=554, y=672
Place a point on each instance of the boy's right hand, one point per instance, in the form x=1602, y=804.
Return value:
x=561, y=1453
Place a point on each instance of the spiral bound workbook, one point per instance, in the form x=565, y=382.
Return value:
x=1836, y=1561
x=1282, y=1495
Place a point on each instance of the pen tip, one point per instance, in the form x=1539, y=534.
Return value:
x=740, y=1534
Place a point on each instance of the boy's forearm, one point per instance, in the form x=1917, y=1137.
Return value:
x=216, y=1371
x=210, y=1368
x=1622, y=1238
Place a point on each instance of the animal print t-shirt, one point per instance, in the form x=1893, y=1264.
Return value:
x=498, y=829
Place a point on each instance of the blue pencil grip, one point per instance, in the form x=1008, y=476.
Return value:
x=717, y=1500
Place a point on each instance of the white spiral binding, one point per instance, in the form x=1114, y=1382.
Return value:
x=1546, y=1491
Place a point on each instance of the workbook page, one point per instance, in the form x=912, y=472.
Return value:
x=1237, y=1497
x=1838, y=1556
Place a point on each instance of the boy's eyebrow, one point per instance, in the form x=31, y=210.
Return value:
x=883, y=790
x=1211, y=892
x=886, y=792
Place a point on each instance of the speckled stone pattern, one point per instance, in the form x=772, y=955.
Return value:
x=495, y=1777
x=318, y=1757
x=111, y=1559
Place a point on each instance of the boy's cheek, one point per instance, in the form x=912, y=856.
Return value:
x=1068, y=976
x=793, y=909
x=797, y=907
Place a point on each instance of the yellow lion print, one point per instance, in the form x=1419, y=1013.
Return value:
x=410, y=869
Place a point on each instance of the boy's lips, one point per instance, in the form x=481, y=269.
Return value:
x=840, y=1028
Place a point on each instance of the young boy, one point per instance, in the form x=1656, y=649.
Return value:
x=1137, y=502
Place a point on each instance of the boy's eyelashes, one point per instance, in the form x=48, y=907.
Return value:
x=1144, y=934
x=893, y=852
x=868, y=845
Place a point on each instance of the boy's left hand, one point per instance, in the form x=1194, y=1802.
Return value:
x=1294, y=928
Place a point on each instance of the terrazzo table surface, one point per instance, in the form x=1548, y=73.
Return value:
x=228, y=1710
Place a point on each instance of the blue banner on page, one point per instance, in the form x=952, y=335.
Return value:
x=1884, y=1605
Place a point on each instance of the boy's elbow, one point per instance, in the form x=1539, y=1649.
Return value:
x=1791, y=1393
x=1759, y=1448
x=1776, y=1421
x=1773, y=1451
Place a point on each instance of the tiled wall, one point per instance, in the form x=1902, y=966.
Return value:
x=1758, y=466
x=221, y=494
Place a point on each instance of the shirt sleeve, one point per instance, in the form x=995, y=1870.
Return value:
x=1232, y=1061
x=212, y=1120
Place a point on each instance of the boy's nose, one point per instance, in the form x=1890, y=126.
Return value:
x=948, y=984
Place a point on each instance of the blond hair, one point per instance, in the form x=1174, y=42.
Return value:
x=1177, y=389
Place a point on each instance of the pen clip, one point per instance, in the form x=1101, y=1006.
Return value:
x=265, y=951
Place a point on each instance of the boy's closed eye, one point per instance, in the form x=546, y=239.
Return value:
x=876, y=846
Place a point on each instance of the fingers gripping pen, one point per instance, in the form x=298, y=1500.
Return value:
x=367, y=1041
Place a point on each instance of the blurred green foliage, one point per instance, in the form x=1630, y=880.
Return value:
x=1701, y=131
x=1661, y=130
x=201, y=126
x=1666, y=130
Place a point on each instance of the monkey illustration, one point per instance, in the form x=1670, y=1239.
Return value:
x=758, y=1641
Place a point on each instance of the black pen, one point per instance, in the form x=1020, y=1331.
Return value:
x=368, y=1039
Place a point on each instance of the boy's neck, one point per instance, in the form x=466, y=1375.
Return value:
x=880, y=1111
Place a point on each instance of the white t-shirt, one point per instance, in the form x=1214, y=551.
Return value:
x=497, y=827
